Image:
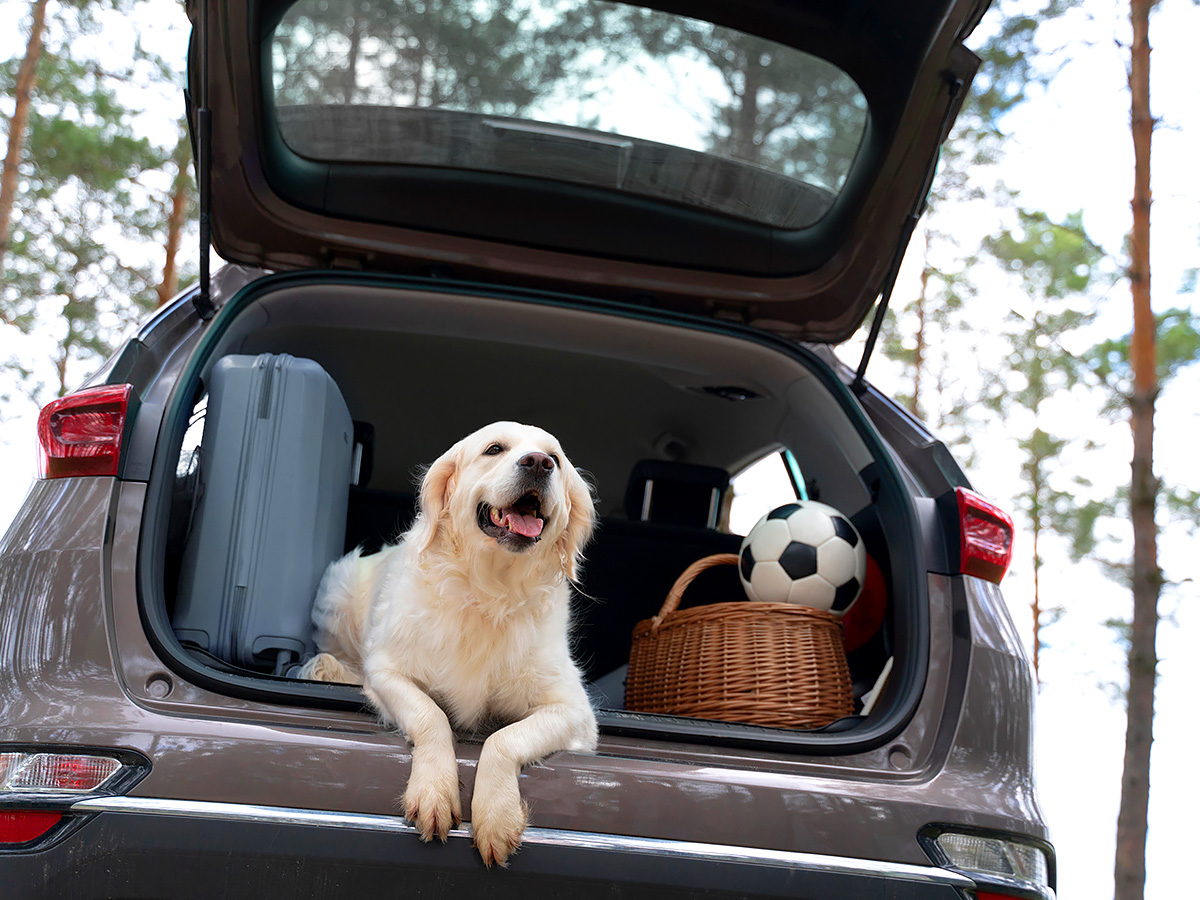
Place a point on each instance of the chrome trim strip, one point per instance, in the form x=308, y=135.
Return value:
x=683, y=850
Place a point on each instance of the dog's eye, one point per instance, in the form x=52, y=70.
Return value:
x=557, y=461
x=494, y=450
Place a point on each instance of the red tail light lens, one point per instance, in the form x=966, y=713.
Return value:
x=19, y=826
x=80, y=434
x=58, y=772
x=987, y=537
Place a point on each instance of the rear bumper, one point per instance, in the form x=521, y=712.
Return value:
x=139, y=847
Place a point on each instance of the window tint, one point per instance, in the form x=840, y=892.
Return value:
x=601, y=94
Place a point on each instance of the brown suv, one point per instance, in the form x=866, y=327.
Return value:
x=639, y=228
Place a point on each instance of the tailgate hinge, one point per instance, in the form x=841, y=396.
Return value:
x=343, y=261
x=730, y=312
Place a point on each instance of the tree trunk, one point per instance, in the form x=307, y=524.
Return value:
x=1130, y=864
x=919, y=361
x=22, y=95
x=746, y=146
x=1036, y=605
x=350, y=85
x=169, y=285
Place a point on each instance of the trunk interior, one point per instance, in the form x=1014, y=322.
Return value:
x=645, y=403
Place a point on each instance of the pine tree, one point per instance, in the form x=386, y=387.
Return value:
x=1011, y=63
x=18, y=123
x=83, y=209
x=1055, y=264
x=1146, y=577
x=1175, y=341
x=180, y=208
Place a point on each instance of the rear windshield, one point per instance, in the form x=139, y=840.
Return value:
x=598, y=94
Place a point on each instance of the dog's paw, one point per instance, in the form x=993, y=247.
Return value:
x=431, y=800
x=326, y=667
x=498, y=819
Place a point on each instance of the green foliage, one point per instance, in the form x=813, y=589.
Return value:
x=1055, y=264
x=1177, y=344
x=1191, y=277
x=939, y=395
x=1183, y=505
x=1123, y=631
x=86, y=209
x=1082, y=526
x=1012, y=63
x=1054, y=260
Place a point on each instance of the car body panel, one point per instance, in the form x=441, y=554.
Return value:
x=80, y=671
x=245, y=852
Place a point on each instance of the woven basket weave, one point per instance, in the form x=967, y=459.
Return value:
x=773, y=664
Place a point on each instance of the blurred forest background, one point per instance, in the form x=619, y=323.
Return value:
x=1008, y=329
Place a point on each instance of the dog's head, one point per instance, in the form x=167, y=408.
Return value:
x=510, y=488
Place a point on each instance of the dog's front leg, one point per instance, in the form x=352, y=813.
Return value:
x=431, y=799
x=498, y=815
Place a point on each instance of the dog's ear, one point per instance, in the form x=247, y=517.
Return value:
x=437, y=487
x=581, y=520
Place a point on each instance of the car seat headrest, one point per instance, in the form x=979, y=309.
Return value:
x=672, y=493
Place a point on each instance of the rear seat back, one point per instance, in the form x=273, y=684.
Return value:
x=632, y=563
x=375, y=518
x=630, y=568
x=671, y=493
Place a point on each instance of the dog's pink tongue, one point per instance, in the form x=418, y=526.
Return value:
x=529, y=526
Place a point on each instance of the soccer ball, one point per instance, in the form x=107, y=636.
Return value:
x=805, y=553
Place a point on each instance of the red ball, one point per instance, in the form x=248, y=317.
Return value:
x=865, y=617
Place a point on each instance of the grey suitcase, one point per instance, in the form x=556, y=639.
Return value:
x=270, y=510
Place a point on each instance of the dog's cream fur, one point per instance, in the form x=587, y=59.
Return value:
x=452, y=627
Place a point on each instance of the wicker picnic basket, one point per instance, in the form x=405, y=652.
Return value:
x=773, y=664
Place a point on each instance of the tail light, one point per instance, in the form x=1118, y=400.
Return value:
x=80, y=434
x=1004, y=867
x=986, y=544
x=20, y=826
x=55, y=773
x=39, y=787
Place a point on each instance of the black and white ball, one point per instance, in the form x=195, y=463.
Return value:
x=806, y=553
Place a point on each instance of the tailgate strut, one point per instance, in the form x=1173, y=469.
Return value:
x=910, y=223
x=955, y=84
x=203, y=299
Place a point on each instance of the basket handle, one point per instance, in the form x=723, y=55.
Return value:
x=686, y=578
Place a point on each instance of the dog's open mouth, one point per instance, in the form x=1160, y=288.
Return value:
x=520, y=522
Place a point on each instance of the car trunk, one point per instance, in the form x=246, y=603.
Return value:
x=627, y=391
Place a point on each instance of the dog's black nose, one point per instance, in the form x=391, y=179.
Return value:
x=535, y=461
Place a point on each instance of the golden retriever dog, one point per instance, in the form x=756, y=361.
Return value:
x=464, y=623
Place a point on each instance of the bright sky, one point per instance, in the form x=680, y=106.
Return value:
x=1070, y=150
